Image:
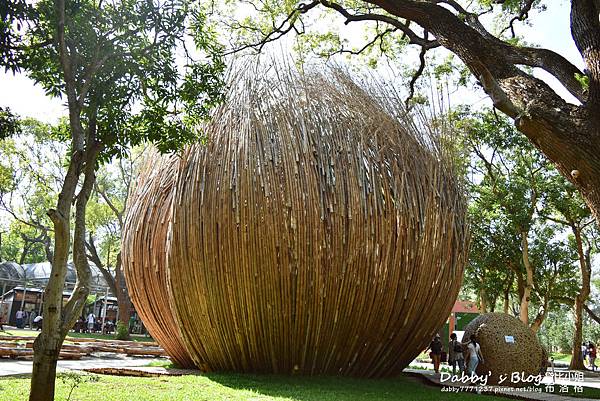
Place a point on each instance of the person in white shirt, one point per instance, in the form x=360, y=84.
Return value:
x=584, y=352
x=38, y=322
x=474, y=356
x=91, y=320
x=20, y=315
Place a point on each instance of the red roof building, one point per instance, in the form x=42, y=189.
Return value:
x=465, y=307
x=462, y=313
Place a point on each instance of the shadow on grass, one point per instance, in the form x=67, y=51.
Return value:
x=332, y=388
x=313, y=388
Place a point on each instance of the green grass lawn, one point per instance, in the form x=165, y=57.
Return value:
x=560, y=357
x=238, y=387
x=22, y=333
x=33, y=333
x=163, y=363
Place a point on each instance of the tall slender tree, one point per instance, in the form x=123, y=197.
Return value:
x=512, y=243
x=106, y=217
x=564, y=206
x=116, y=65
x=509, y=188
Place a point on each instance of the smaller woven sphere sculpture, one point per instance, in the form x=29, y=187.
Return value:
x=508, y=347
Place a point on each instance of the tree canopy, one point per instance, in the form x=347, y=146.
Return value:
x=121, y=67
x=514, y=245
x=501, y=63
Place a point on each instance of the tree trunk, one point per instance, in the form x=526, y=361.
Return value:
x=58, y=320
x=115, y=282
x=507, y=288
x=524, y=312
x=24, y=253
x=48, y=247
x=95, y=257
x=122, y=294
x=46, y=351
x=537, y=323
x=541, y=315
x=482, y=300
x=76, y=302
x=576, y=357
x=584, y=292
x=47, y=345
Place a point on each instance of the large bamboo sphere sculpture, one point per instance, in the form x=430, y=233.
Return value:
x=146, y=276
x=507, y=346
x=314, y=232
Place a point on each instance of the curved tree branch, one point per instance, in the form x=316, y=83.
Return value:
x=370, y=43
x=553, y=63
x=416, y=76
x=402, y=26
x=118, y=213
x=280, y=30
x=522, y=16
x=568, y=135
x=559, y=129
x=95, y=258
x=591, y=313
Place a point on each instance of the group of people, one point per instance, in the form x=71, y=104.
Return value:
x=588, y=352
x=31, y=319
x=464, y=356
x=92, y=324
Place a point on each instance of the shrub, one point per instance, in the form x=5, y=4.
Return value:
x=122, y=332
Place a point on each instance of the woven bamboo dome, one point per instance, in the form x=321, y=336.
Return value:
x=507, y=346
x=314, y=232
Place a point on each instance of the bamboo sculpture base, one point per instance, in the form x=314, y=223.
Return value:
x=315, y=232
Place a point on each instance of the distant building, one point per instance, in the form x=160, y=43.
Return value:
x=31, y=301
x=112, y=307
x=462, y=314
x=40, y=273
x=11, y=274
x=28, y=299
x=22, y=286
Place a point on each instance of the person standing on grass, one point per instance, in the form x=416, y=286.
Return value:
x=80, y=325
x=455, y=354
x=592, y=356
x=474, y=356
x=20, y=315
x=91, y=321
x=436, y=352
